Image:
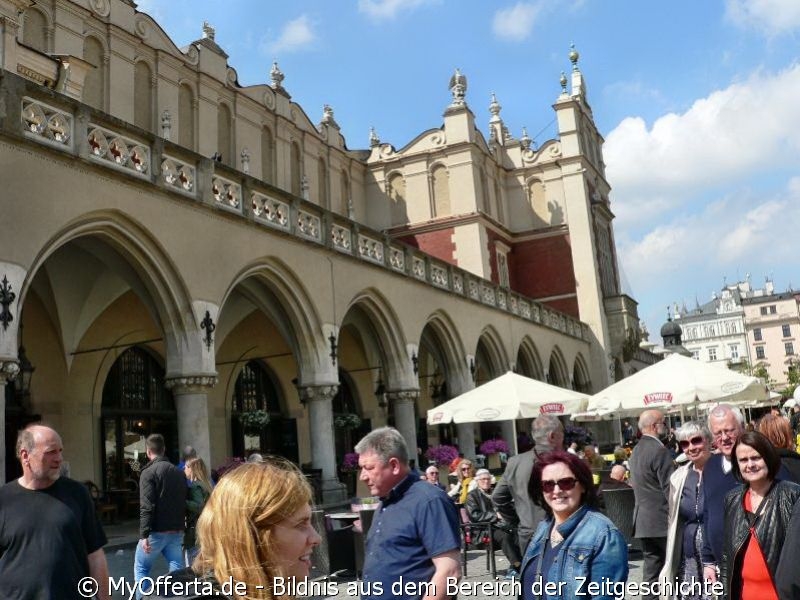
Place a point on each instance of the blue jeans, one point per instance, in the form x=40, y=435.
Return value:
x=168, y=544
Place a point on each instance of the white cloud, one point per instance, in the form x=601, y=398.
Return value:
x=515, y=24
x=296, y=35
x=771, y=17
x=747, y=130
x=389, y=9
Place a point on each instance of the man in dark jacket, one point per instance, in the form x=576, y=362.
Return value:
x=162, y=512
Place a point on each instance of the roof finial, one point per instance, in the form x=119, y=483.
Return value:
x=327, y=116
x=277, y=76
x=208, y=31
x=563, y=82
x=573, y=57
x=458, y=87
x=494, y=108
x=525, y=141
x=374, y=140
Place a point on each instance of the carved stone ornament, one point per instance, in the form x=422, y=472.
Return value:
x=8, y=371
x=191, y=383
x=402, y=396
x=101, y=8
x=317, y=393
x=7, y=296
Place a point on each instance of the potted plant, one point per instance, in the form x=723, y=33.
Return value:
x=348, y=470
x=254, y=421
x=491, y=449
x=347, y=421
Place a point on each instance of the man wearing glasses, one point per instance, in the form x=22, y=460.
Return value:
x=651, y=466
x=726, y=424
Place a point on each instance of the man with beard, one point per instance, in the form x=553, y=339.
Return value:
x=651, y=466
x=50, y=536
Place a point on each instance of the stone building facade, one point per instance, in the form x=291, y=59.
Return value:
x=179, y=251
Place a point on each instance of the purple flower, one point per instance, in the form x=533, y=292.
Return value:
x=442, y=455
x=350, y=462
x=494, y=446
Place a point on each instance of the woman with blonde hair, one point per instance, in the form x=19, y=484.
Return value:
x=465, y=471
x=196, y=497
x=255, y=527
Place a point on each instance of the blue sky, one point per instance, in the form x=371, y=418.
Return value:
x=699, y=103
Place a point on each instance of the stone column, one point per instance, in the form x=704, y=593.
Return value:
x=405, y=418
x=509, y=434
x=318, y=399
x=8, y=371
x=191, y=401
x=466, y=439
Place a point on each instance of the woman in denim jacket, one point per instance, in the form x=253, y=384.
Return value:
x=576, y=552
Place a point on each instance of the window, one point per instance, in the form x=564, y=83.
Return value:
x=789, y=347
x=696, y=354
x=734, y=351
x=757, y=334
x=787, y=331
x=763, y=310
x=712, y=354
x=760, y=352
x=773, y=310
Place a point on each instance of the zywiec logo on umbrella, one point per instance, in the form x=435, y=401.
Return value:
x=732, y=387
x=658, y=397
x=487, y=414
x=551, y=407
x=437, y=416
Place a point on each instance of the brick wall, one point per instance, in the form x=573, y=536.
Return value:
x=436, y=243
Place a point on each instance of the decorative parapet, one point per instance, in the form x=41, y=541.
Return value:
x=226, y=193
x=46, y=124
x=309, y=226
x=270, y=211
x=118, y=151
x=179, y=175
x=370, y=249
x=55, y=124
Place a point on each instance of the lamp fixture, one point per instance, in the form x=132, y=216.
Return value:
x=415, y=362
x=332, y=340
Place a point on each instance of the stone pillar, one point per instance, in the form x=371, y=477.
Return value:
x=509, y=434
x=405, y=418
x=318, y=399
x=466, y=439
x=8, y=370
x=191, y=402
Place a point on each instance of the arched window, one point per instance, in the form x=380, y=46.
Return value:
x=142, y=96
x=441, y=192
x=295, y=172
x=322, y=183
x=34, y=30
x=267, y=156
x=135, y=404
x=258, y=389
x=498, y=196
x=95, y=83
x=483, y=203
x=224, y=136
x=397, y=198
x=186, y=117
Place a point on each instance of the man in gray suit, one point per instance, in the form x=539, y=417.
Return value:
x=651, y=466
x=511, y=494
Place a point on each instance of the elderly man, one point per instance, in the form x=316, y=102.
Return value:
x=413, y=545
x=651, y=466
x=50, y=537
x=726, y=424
x=432, y=476
x=511, y=494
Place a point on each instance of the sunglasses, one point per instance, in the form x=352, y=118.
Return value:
x=695, y=441
x=565, y=484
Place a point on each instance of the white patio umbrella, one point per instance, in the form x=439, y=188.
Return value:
x=676, y=381
x=506, y=398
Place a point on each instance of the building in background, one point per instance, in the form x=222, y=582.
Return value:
x=202, y=259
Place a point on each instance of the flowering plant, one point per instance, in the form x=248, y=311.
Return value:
x=229, y=465
x=254, y=421
x=350, y=462
x=347, y=420
x=494, y=446
x=442, y=455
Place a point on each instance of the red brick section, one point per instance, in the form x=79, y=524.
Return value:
x=543, y=267
x=436, y=243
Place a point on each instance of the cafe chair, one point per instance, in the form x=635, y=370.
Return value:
x=102, y=505
x=619, y=508
x=476, y=535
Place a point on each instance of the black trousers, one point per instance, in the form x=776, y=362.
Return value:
x=654, y=551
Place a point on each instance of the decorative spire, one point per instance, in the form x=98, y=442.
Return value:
x=327, y=116
x=208, y=31
x=573, y=57
x=563, y=82
x=525, y=141
x=458, y=88
x=494, y=108
x=374, y=140
x=276, y=76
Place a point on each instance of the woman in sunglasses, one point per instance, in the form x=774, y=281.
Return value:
x=465, y=471
x=685, y=522
x=757, y=515
x=576, y=548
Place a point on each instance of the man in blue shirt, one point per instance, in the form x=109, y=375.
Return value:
x=413, y=544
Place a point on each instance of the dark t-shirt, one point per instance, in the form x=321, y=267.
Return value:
x=45, y=538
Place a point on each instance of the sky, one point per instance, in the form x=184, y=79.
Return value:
x=698, y=102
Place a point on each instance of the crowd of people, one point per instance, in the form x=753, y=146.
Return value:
x=727, y=515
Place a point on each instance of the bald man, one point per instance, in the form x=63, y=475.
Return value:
x=50, y=536
x=651, y=466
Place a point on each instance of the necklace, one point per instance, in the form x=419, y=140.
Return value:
x=555, y=537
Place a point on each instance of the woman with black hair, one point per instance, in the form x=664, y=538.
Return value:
x=757, y=515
